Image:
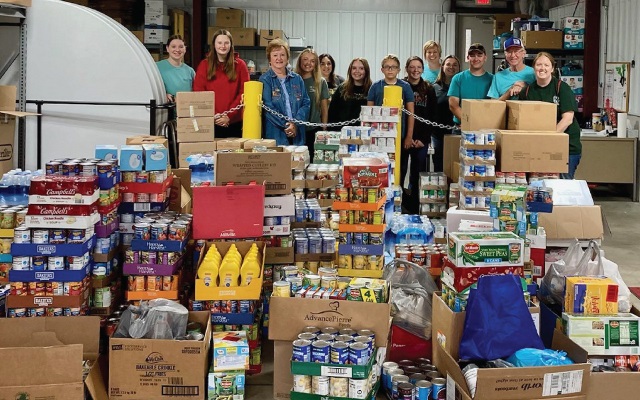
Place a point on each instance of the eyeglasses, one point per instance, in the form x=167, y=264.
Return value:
x=390, y=67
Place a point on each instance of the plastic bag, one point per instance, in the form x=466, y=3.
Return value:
x=410, y=297
x=155, y=319
x=575, y=263
x=539, y=358
x=497, y=322
x=624, y=294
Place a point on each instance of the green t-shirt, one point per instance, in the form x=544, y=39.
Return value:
x=176, y=79
x=565, y=99
x=309, y=84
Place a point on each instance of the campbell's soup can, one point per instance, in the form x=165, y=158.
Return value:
x=53, y=168
x=142, y=198
x=87, y=169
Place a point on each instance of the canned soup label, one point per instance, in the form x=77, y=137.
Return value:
x=488, y=248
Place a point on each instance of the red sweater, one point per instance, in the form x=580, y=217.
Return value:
x=228, y=93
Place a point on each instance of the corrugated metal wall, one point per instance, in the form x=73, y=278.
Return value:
x=346, y=35
x=622, y=43
x=556, y=14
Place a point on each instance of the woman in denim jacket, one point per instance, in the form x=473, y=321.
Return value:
x=284, y=92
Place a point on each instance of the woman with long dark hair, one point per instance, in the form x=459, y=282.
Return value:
x=351, y=95
x=225, y=73
x=443, y=115
x=328, y=69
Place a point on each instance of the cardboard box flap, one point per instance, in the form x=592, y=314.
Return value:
x=561, y=342
x=98, y=379
x=41, y=339
x=68, y=330
x=573, y=222
x=16, y=372
x=19, y=114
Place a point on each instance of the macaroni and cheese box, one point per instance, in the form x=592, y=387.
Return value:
x=590, y=295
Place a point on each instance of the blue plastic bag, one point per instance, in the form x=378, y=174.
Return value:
x=539, y=358
x=497, y=322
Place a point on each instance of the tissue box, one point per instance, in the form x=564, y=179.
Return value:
x=156, y=157
x=131, y=158
x=106, y=152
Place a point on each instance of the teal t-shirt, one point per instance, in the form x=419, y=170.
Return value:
x=430, y=75
x=176, y=79
x=503, y=80
x=309, y=84
x=467, y=86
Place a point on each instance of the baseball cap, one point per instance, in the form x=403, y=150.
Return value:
x=513, y=42
x=476, y=47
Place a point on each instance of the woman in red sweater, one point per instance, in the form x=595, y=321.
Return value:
x=224, y=73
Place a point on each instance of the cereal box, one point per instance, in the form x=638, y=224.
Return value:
x=590, y=295
x=486, y=248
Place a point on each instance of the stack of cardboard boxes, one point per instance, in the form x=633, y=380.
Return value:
x=156, y=22
x=195, y=125
x=232, y=20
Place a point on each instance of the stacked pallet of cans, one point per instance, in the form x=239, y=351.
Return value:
x=336, y=363
x=105, y=278
x=361, y=231
x=433, y=194
x=51, y=252
x=477, y=169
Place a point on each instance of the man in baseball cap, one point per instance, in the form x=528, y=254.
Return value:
x=470, y=84
x=509, y=82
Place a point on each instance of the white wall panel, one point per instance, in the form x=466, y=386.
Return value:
x=622, y=43
x=346, y=35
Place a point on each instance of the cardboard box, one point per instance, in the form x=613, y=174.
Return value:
x=531, y=115
x=195, y=129
x=195, y=104
x=267, y=35
x=590, y=295
x=289, y=315
x=186, y=149
x=8, y=119
x=139, y=35
x=280, y=206
x=456, y=215
x=230, y=18
x=158, y=20
x=167, y=369
x=573, y=25
x=241, y=36
x=23, y=3
x=502, y=22
x=573, y=222
x=615, y=334
x=180, y=195
x=573, y=42
x=48, y=343
x=483, y=114
x=522, y=151
x=238, y=211
x=145, y=139
x=155, y=7
x=226, y=385
x=158, y=35
x=576, y=83
x=499, y=383
x=244, y=168
x=541, y=39
x=230, y=144
x=451, y=154
x=485, y=249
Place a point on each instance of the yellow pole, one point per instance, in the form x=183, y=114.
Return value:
x=393, y=98
x=252, y=119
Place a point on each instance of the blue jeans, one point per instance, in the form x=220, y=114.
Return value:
x=574, y=160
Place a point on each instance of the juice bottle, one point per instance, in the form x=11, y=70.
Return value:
x=229, y=272
x=250, y=269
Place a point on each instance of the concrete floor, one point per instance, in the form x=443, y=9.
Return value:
x=620, y=246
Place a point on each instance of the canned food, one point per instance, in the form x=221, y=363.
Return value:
x=339, y=353
x=76, y=262
x=358, y=388
x=312, y=329
x=142, y=177
x=40, y=236
x=320, y=385
x=55, y=263
x=177, y=231
x=22, y=234
x=156, y=176
x=20, y=263
x=38, y=263
x=142, y=231
x=53, y=168
x=397, y=380
x=302, y=383
x=320, y=352
x=281, y=289
x=302, y=350
x=76, y=236
x=358, y=353
x=438, y=388
x=167, y=282
x=69, y=169
x=339, y=387
x=141, y=198
x=406, y=391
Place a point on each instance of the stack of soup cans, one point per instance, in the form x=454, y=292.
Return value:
x=477, y=169
x=342, y=347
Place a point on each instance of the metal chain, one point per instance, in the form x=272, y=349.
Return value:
x=311, y=124
x=225, y=113
x=426, y=121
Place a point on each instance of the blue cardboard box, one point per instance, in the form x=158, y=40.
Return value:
x=107, y=152
x=131, y=158
x=156, y=157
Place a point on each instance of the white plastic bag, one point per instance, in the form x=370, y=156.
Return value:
x=612, y=272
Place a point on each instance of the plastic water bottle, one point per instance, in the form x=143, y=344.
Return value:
x=209, y=172
x=193, y=166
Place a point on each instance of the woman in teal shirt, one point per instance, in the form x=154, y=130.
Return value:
x=176, y=75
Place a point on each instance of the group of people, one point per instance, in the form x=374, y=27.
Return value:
x=432, y=89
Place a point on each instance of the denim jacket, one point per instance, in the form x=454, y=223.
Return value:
x=273, y=98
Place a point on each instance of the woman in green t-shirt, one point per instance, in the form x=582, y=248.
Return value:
x=550, y=89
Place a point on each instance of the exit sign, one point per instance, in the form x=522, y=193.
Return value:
x=483, y=2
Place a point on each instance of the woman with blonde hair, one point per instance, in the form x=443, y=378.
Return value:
x=431, y=52
x=308, y=67
x=225, y=73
